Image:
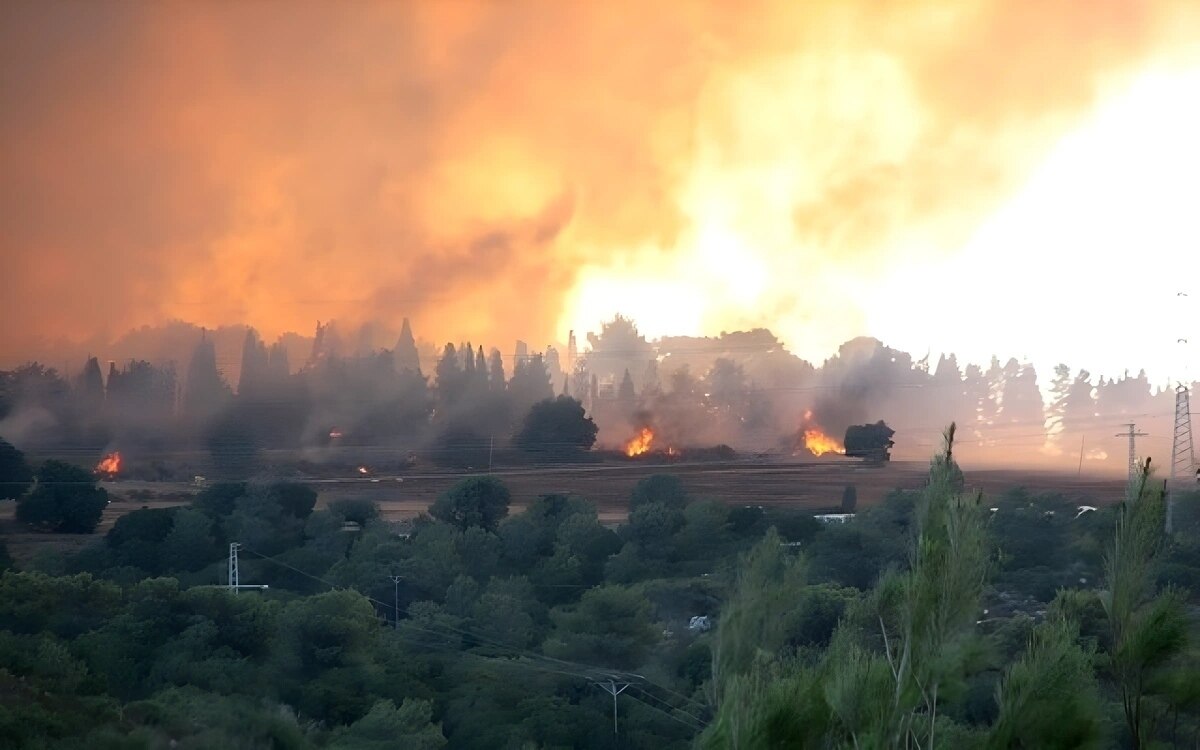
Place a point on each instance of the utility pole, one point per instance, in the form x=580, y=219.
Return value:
x=233, y=567
x=491, y=445
x=1132, y=434
x=611, y=688
x=1183, y=451
x=396, y=602
x=234, y=583
x=1082, y=440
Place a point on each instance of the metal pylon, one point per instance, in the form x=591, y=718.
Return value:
x=234, y=583
x=233, y=567
x=1132, y=434
x=1183, y=451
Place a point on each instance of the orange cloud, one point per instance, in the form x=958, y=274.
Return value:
x=475, y=166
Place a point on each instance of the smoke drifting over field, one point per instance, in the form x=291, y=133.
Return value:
x=341, y=396
x=504, y=170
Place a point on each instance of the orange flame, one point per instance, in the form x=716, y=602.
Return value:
x=110, y=464
x=816, y=441
x=640, y=442
x=672, y=450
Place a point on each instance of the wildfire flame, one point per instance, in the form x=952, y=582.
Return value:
x=110, y=464
x=640, y=442
x=363, y=470
x=672, y=450
x=816, y=441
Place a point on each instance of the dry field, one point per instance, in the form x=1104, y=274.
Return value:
x=814, y=484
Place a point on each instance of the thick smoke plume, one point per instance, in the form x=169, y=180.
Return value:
x=501, y=169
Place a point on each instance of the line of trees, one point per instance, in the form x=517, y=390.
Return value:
x=383, y=398
x=933, y=619
x=742, y=389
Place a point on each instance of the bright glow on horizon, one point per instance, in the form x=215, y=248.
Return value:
x=1084, y=264
x=765, y=242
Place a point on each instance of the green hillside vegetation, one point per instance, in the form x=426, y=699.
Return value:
x=935, y=619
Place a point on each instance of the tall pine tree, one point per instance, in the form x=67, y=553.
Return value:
x=406, y=350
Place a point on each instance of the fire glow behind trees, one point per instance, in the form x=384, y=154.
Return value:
x=527, y=168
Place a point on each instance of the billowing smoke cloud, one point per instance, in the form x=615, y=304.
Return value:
x=504, y=170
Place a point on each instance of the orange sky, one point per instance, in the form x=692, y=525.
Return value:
x=504, y=170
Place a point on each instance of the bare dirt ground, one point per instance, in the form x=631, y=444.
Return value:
x=814, y=485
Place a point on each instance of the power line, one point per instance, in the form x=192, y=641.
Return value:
x=580, y=669
x=699, y=723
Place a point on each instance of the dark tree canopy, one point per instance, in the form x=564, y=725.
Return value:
x=625, y=392
x=90, y=384
x=15, y=474
x=870, y=441
x=406, y=356
x=450, y=381
x=726, y=383
x=219, y=499
x=295, y=498
x=66, y=500
x=356, y=509
x=849, y=499
x=255, y=365
x=136, y=539
x=461, y=446
x=659, y=488
x=557, y=426
x=205, y=391
x=478, y=501
x=235, y=448
x=530, y=383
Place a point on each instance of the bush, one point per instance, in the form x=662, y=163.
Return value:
x=65, y=500
x=296, y=499
x=355, y=510
x=849, y=499
x=478, y=501
x=15, y=474
x=659, y=488
x=557, y=428
x=218, y=500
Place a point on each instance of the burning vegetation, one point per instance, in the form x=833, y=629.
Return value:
x=109, y=466
x=640, y=443
x=643, y=444
x=815, y=440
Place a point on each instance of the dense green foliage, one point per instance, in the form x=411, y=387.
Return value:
x=927, y=620
x=912, y=664
x=15, y=475
x=557, y=428
x=480, y=501
x=65, y=499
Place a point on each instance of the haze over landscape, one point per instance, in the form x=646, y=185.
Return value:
x=824, y=170
x=530, y=375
